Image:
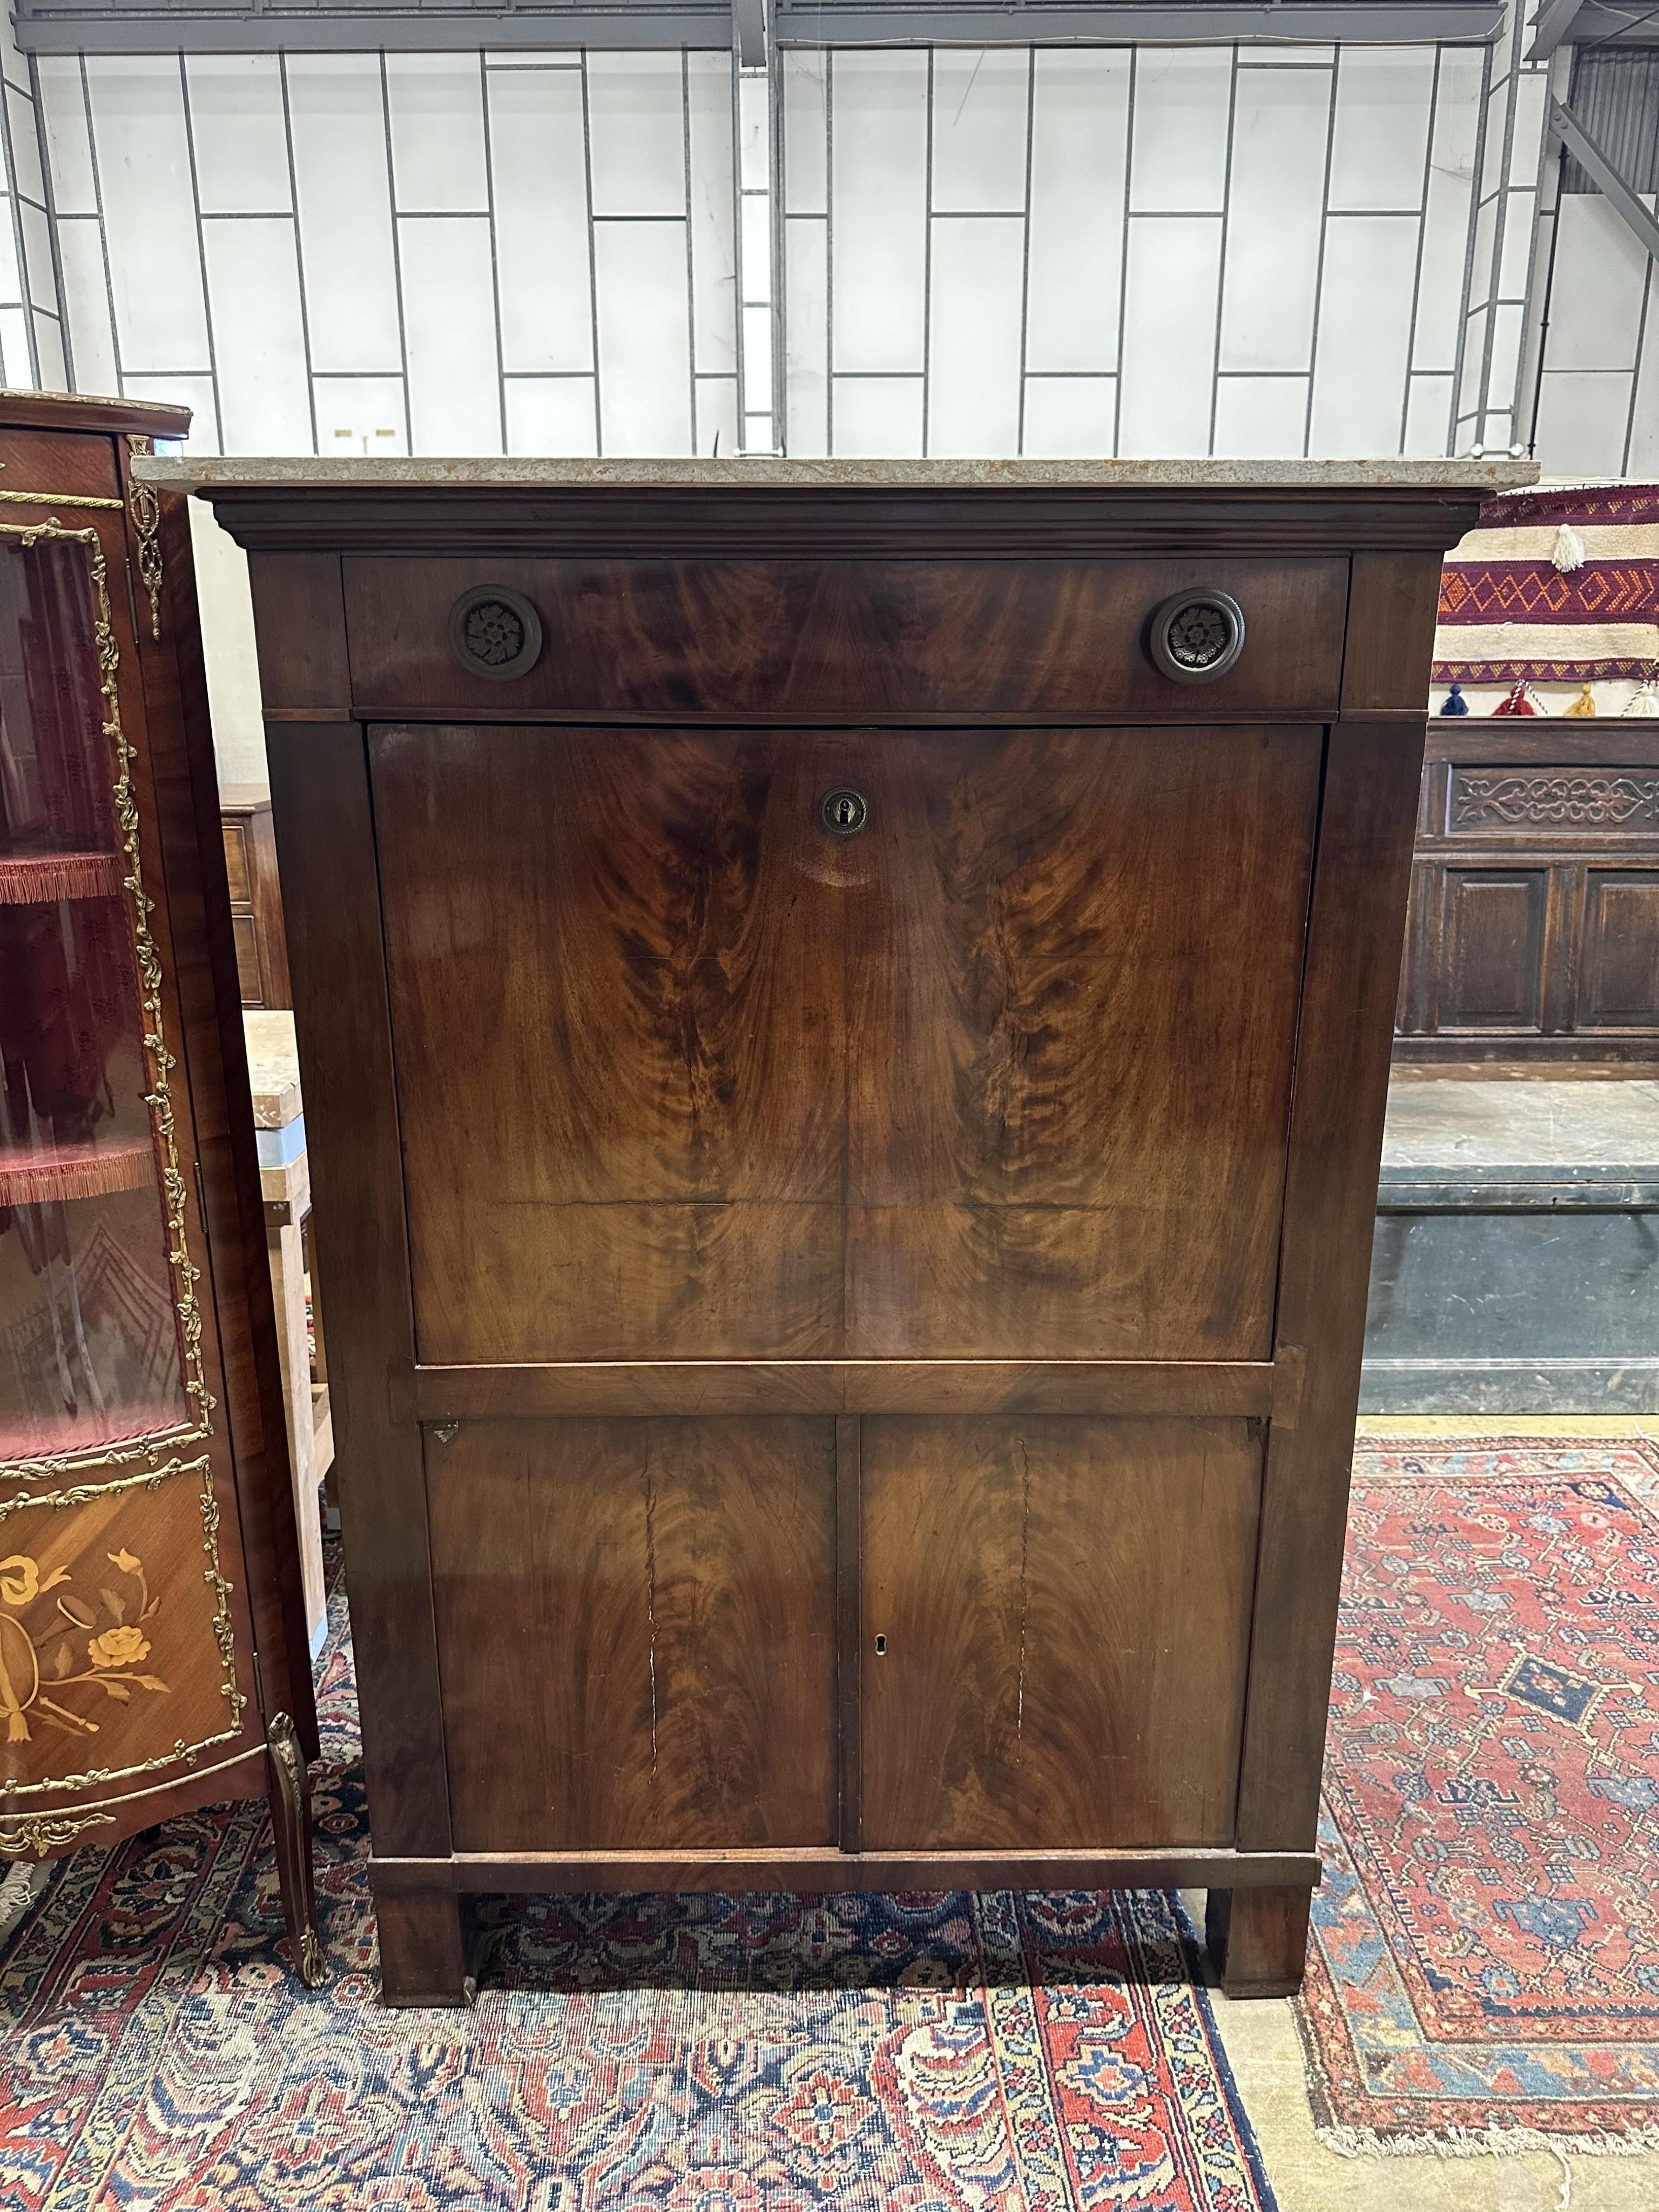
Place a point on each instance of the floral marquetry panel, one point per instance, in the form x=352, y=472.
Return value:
x=115, y=1653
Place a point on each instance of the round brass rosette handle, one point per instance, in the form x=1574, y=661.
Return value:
x=1196, y=636
x=495, y=633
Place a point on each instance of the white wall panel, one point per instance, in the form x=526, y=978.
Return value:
x=25, y=144
x=149, y=211
x=1170, y=335
x=1080, y=144
x=69, y=145
x=49, y=345
x=550, y=414
x=1642, y=458
x=714, y=260
x=258, y=335
x=806, y=335
x=806, y=131
x=1260, y=415
x=980, y=99
x=86, y=302
x=1379, y=141
x=338, y=122
x=1364, y=340
x=42, y=286
x=636, y=126
x=358, y=415
x=449, y=326
x=973, y=335
x=878, y=243
x=1070, y=417
x=1600, y=280
x=1428, y=418
x=435, y=103
x=716, y=402
x=15, y=337
x=195, y=393
x=540, y=177
x=11, y=275
x=1182, y=95
x=644, y=337
x=879, y=415
x=1582, y=416
x=1446, y=222
x=1281, y=129
x=240, y=134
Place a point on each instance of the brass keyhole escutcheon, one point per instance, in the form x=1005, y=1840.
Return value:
x=844, y=811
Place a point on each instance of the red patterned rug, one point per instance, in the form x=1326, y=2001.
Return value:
x=1045, y=2053
x=1486, y=1950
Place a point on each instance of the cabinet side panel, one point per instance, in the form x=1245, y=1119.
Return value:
x=326, y=839
x=1360, y=881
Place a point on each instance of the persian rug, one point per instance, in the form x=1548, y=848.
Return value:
x=1485, y=1947
x=1046, y=2053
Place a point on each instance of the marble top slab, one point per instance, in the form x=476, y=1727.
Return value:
x=347, y=471
x=273, y=1066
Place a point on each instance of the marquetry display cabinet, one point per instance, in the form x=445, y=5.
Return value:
x=844, y=1012
x=153, y=1652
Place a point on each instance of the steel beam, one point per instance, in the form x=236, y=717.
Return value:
x=1553, y=23
x=1564, y=125
x=57, y=27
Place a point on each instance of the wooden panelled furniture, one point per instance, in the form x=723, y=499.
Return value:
x=1533, y=929
x=152, y=1650
x=256, y=898
x=844, y=1026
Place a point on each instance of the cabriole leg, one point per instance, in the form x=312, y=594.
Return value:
x=290, y=1824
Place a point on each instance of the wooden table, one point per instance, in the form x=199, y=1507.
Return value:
x=285, y=1182
x=845, y=1011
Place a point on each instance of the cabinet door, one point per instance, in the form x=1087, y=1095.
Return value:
x=125, y=1658
x=1056, y=1625
x=1618, y=977
x=1492, y=949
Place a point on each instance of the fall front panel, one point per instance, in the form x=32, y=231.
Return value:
x=685, y=1073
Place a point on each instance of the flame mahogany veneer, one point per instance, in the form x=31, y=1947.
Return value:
x=845, y=1347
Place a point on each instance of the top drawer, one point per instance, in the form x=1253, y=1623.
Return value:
x=806, y=640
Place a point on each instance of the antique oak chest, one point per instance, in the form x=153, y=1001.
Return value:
x=845, y=1011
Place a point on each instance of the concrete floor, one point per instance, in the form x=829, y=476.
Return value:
x=1263, y=2043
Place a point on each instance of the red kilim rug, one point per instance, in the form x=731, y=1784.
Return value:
x=1049, y=2052
x=1486, y=1950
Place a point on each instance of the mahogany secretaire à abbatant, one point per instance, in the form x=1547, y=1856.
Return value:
x=844, y=1010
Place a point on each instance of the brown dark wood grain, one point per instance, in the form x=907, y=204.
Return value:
x=1050, y=1606
x=325, y=837
x=1258, y=1937
x=844, y=1097
x=1040, y=638
x=1330, y=1204
x=256, y=897
x=955, y=1235
x=831, y=1871
x=646, y=1610
x=871, y=1386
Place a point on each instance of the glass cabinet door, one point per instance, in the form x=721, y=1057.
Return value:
x=90, y=1347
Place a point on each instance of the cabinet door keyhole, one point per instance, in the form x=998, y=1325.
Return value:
x=844, y=811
